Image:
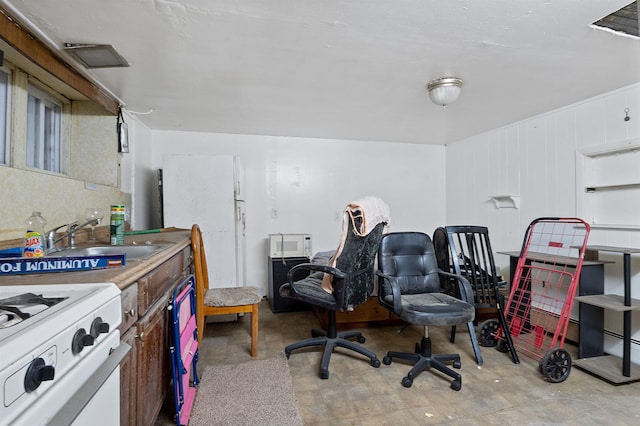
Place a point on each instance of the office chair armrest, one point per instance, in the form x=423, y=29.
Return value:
x=311, y=267
x=395, y=292
x=466, y=293
x=317, y=268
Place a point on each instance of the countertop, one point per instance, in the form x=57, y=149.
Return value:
x=121, y=276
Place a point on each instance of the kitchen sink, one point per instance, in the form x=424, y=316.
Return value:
x=132, y=252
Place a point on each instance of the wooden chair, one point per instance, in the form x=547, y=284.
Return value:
x=221, y=301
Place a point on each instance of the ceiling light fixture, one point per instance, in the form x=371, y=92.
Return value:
x=444, y=90
x=95, y=55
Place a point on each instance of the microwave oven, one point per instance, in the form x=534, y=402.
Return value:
x=289, y=245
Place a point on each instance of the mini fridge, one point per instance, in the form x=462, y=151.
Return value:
x=278, y=270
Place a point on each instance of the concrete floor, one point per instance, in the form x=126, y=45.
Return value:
x=498, y=392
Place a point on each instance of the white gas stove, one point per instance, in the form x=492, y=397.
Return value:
x=59, y=350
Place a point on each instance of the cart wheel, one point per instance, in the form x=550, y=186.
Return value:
x=487, y=333
x=502, y=346
x=556, y=365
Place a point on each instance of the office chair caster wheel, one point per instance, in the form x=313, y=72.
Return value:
x=502, y=346
x=457, y=364
x=287, y=354
x=456, y=385
x=386, y=360
x=375, y=363
x=556, y=365
x=487, y=333
x=360, y=339
x=324, y=374
x=407, y=382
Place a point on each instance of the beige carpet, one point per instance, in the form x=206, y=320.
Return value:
x=258, y=392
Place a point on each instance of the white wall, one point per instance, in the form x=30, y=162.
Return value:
x=297, y=185
x=536, y=159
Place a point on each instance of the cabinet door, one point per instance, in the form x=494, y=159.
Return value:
x=128, y=399
x=153, y=362
x=129, y=301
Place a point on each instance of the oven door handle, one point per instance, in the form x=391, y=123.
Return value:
x=83, y=395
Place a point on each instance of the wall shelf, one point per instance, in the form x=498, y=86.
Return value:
x=615, y=226
x=594, y=188
x=506, y=201
x=608, y=175
x=613, y=148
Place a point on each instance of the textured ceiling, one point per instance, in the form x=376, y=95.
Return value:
x=343, y=69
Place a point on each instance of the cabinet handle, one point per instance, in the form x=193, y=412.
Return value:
x=131, y=312
x=140, y=336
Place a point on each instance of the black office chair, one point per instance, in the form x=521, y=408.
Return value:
x=352, y=280
x=409, y=286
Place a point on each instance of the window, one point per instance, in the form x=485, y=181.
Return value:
x=5, y=110
x=43, y=131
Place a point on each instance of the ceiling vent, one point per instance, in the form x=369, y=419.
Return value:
x=624, y=20
x=95, y=55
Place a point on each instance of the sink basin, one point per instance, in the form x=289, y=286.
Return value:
x=137, y=252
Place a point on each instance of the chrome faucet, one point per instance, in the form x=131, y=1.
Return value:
x=51, y=237
x=72, y=228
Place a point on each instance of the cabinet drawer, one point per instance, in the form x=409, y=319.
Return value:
x=154, y=285
x=129, y=299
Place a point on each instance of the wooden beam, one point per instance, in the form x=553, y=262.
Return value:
x=36, y=51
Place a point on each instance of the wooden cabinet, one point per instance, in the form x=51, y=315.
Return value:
x=368, y=313
x=128, y=379
x=145, y=373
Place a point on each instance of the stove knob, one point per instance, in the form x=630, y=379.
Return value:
x=80, y=340
x=38, y=373
x=98, y=327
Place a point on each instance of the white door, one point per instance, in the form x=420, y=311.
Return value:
x=200, y=189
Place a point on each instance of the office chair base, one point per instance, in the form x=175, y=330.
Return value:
x=330, y=343
x=423, y=360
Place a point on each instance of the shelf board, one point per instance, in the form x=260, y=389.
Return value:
x=608, y=367
x=613, y=302
x=589, y=189
x=506, y=201
x=614, y=226
x=612, y=148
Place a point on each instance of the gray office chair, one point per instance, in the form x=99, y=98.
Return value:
x=409, y=286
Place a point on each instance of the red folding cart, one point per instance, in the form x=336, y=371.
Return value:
x=542, y=292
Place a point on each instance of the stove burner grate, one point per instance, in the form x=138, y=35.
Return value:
x=13, y=309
